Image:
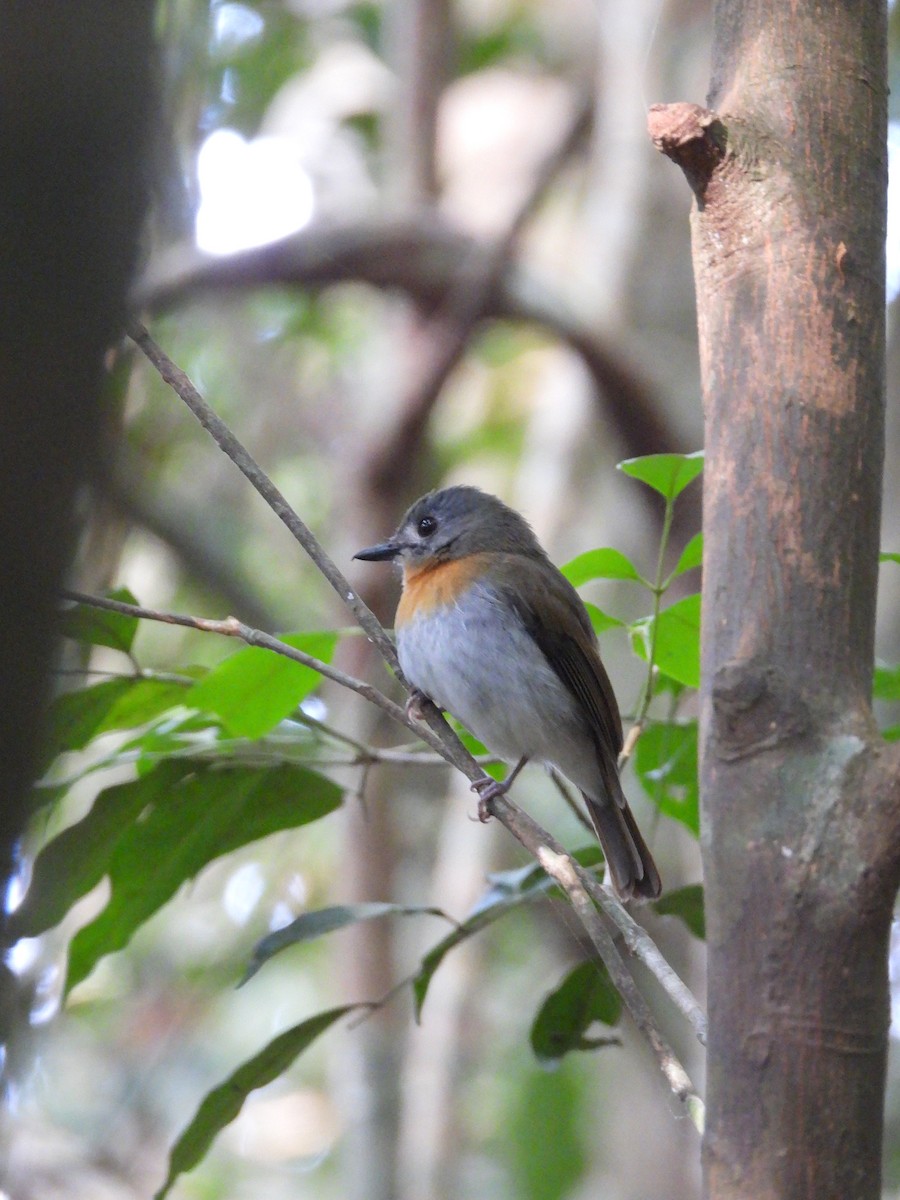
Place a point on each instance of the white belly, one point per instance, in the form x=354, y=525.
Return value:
x=480, y=664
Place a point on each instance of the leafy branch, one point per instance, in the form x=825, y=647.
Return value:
x=668, y=474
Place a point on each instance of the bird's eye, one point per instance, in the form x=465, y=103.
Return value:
x=426, y=526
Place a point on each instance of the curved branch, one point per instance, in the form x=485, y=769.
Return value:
x=420, y=256
x=475, y=279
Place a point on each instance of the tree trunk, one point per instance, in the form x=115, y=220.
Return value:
x=76, y=107
x=800, y=835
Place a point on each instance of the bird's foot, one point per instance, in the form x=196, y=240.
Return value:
x=488, y=790
x=415, y=704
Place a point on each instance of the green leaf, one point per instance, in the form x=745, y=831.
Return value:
x=668, y=474
x=75, y=717
x=485, y=914
x=143, y=701
x=313, y=925
x=78, y=858
x=508, y=890
x=186, y=734
x=100, y=626
x=584, y=996
x=543, y=1137
x=889, y=556
x=605, y=563
x=44, y=795
x=255, y=689
x=886, y=683
x=686, y=903
x=691, y=556
x=173, y=822
x=677, y=640
x=124, y=703
x=600, y=620
x=223, y=1103
x=665, y=761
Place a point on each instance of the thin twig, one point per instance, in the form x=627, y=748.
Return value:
x=228, y=443
x=577, y=884
x=636, y=938
x=660, y=584
x=232, y=627
x=400, y=756
x=561, y=868
x=643, y=947
x=530, y=835
x=329, y=731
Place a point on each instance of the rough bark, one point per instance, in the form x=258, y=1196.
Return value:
x=788, y=168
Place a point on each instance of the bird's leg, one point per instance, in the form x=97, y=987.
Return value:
x=488, y=789
x=415, y=704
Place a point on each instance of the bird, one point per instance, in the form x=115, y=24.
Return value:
x=490, y=631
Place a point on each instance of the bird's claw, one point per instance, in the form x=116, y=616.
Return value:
x=488, y=790
x=415, y=705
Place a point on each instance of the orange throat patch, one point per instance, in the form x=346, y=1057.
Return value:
x=436, y=584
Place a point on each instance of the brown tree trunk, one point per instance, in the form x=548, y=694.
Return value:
x=800, y=832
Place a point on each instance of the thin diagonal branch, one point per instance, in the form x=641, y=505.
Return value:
x=645, y=950
x=562, y=869
x=228, y=443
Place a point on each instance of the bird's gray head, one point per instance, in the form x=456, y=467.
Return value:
x=453, y=523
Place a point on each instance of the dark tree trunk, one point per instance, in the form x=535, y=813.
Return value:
x=800, y=824
x=76, y=109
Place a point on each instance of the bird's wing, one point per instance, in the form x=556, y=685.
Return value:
x=570, y=647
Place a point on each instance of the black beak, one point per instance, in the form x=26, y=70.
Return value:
x=379, y=553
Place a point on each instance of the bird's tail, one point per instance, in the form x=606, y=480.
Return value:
x=631, y=864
